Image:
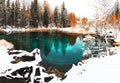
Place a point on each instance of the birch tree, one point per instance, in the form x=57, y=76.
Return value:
x=103, y=8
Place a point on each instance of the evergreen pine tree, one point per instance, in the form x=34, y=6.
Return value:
x=23, y=17
x=41, y=10
x=46, y=17
x=34, y=14
x=12, y=16
x=31, y=15
x=17, y=13
x=48, y=14
x=4, y=16
x=64, y=16
x=56, y=17
x=2, y=12
x=8, y=12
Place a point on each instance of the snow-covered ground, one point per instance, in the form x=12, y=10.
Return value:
x=29, y=67
x=94, y=70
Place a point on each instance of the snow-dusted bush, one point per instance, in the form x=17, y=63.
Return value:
x=87, y=54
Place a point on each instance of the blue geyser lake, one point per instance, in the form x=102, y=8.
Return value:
x=56, y=48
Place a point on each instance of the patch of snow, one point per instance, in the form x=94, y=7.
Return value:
x=117, y=38
x=96, y=70
x=6, y=44
x=88, y=38
x=87, y=53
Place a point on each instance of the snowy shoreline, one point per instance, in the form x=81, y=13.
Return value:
x=69, y=30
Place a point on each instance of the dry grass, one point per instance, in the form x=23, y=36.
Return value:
x=2, y=31
x=117, y=43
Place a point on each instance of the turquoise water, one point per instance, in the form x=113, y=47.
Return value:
x=55, y=48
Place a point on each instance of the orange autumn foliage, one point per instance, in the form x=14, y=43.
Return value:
x=73, y=19
x=84, y=20
x=118, y=17
x=113, y=17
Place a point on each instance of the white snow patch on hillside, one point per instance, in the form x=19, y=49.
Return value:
x=96, y=70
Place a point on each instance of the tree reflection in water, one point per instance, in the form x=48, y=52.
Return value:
x=55, y=48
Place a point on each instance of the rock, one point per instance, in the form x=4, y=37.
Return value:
x=37, y=73
x=6, y=44
x=11, y=53
x=53, y=70
x=23, y=71
x=47, y=79
x=25, y=56
x=15, y=80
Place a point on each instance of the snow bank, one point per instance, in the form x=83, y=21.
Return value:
x=6, y=44
x=5, y=58
x=77, y=30
x=96, y=70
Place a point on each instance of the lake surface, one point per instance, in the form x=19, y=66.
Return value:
x=56, y=48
